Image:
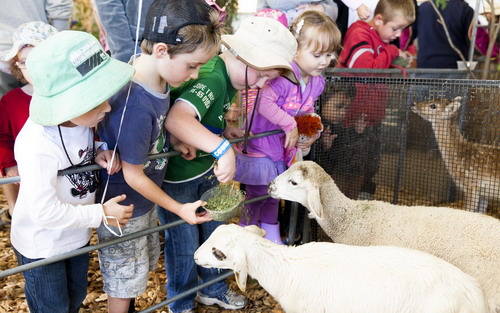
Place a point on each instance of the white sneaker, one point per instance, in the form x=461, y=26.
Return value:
x=231, y=300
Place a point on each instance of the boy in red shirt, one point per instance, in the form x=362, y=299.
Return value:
x=366, y=45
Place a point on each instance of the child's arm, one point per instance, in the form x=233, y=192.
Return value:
x=182, y=122
x=39, y=175
x=270, y=110
x=358, y=52
x=135, y=178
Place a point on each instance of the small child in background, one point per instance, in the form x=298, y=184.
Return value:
x=261, y=49
x=262, y=159
x=342, y=150
x=15, y=104
x=73, y=78
x=367, y=45
x=172, y=53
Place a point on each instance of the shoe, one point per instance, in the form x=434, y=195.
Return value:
x=272, y=232
x=365, y=196
x=231, y=300
x=185, y=311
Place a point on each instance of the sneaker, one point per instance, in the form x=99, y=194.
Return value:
x=231, y=300
x=365, y=196
x=185, y=311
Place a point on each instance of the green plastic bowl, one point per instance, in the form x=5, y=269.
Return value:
x=225, y=191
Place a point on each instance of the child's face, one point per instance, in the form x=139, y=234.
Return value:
x=180, y=68
x=256, y=78
x=335, y=109
x=312, y=63
x=390, y=30
x=21, y=61
x=92, y=117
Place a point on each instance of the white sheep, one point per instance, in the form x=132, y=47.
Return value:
x=323, y=277
x=468, y=240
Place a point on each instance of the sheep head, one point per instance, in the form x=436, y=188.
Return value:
x=439, y=109
x=223, y=249
x=301, y=183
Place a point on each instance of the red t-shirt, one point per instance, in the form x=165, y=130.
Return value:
x=15, y=111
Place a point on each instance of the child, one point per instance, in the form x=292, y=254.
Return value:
x=15, y=104
x=171, y=55
x=280, y=101
x=73, y=78
x=366, y=45
x=260, y=50
x=342, y=151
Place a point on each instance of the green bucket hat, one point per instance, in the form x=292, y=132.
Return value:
x=71, y=75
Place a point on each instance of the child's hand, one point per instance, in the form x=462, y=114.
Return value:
x=327, y=138
x=122, y=213
x=188, y=213
x=232, y=132
x=188, y=152
x=360, y=124
x=225, y=167
x=10, y=172
x=103, y=158
x=306, y=145
x=363, y=12
x=291, y=138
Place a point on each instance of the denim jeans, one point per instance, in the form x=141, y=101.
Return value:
x=57, y=287
x=182, y=241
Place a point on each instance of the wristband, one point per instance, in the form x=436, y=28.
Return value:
x=221, y=149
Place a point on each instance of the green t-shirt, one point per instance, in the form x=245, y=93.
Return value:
x=210, y=95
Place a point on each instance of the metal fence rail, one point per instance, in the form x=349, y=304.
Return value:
x=90, y=248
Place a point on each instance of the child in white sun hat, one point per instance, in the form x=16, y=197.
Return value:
x=73, y=78
x=260, y=50
x=15, y=104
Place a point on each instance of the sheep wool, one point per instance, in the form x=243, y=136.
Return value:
x=468, y=240
x=322, y=277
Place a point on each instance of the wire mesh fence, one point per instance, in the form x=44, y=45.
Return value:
x=413, y=141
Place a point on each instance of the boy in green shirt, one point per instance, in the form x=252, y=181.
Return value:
x=259, y=51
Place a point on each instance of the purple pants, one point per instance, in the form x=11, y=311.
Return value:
x=265, y=211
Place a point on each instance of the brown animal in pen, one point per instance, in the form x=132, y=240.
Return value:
x=474, y=167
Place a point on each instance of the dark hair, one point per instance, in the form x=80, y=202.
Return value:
x=334, y=88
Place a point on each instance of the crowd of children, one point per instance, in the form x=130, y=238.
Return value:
x=86, y=107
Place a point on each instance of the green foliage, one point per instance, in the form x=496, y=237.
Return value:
x=231, y=7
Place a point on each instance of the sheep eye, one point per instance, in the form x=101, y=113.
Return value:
x=432, y=106
x=293, y=182
x=218, y=254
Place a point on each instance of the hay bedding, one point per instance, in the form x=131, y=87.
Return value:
x=12, y=298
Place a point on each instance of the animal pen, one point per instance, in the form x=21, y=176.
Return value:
x=453, y=161
x=412, y=170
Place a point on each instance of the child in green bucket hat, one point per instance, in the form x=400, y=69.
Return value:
x=73, y=78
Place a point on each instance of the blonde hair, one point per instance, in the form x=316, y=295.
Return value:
x=205, y=37
x=389, y=9
x=316, y=30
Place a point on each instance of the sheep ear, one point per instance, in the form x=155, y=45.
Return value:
x=240, y=269
x=314, y=201
x=256, y=230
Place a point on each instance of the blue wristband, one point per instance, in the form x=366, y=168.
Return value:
x=221, y=149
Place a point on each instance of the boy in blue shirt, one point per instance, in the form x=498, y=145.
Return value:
x=178, y=39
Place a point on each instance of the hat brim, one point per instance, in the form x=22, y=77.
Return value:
x=82, y=97
x=266, y=60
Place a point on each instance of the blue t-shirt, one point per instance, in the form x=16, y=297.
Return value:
x=142, y=134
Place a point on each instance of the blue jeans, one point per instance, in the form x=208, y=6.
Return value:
x=57, y=287
x=182, y=241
